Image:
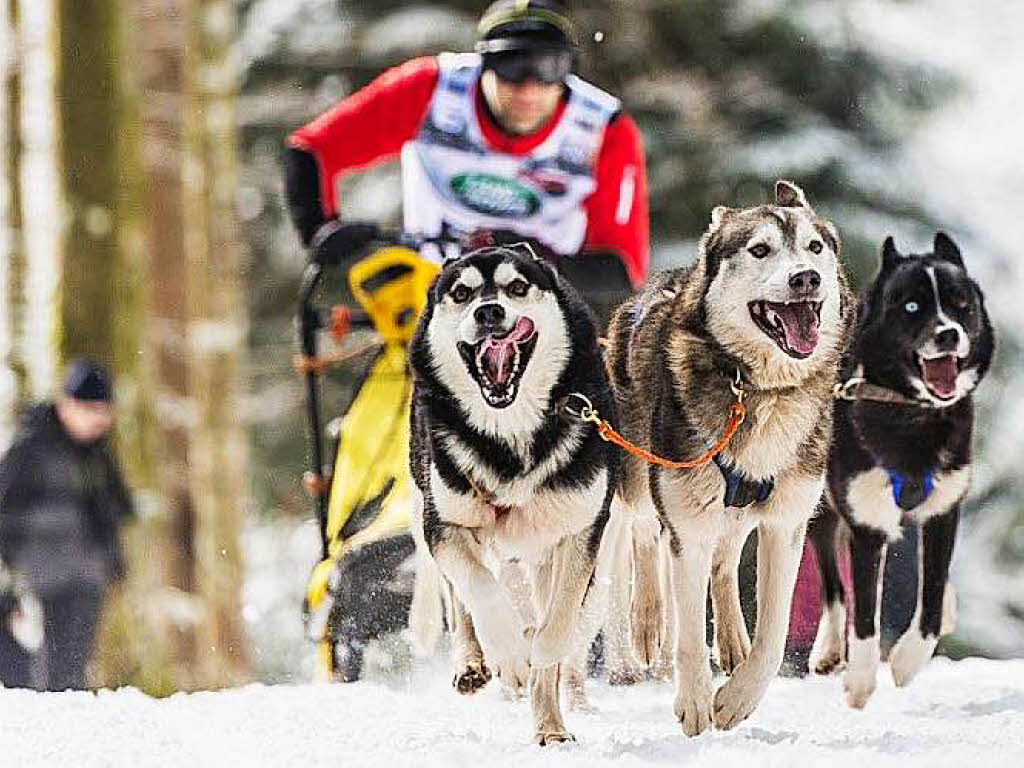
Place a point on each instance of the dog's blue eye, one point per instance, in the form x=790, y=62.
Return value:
x=759, y=251
x=911, y=307
x=517, y=288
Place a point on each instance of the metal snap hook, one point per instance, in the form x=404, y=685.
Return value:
x=586, y=412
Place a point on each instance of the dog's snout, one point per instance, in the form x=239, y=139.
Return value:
x=947, y=339
x=805, y=281
x=489, y=315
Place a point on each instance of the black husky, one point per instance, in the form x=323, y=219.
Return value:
x=902, y=449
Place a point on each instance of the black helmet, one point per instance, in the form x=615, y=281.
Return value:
x=524, y=25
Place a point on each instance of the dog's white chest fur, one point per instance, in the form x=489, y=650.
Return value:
x=871, y=501
x=780, y=425
x=520, y=524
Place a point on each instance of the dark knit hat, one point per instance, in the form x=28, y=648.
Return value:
x=518, y=25
x=86, y=380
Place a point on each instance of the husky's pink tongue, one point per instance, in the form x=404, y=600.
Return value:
x=940, y=375
x=800, y=322
x=498, y=354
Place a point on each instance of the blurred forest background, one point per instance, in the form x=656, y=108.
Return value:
x=142, y=222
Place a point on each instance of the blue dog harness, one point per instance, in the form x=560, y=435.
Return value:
x=740, y=490
x=909, y=492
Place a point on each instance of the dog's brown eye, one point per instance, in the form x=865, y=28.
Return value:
x=517, y=288
x=461, y=294
x=759, y=251
x=815, y=246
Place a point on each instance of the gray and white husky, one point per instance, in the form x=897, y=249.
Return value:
x=506, y=476
x=766, y=304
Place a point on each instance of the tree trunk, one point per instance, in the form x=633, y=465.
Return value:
x=41, y=201
x=10, y=225
x=196, y=330
x=90, y=121
x=30, y=207
x=217, y=332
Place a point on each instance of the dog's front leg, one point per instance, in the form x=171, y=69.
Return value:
x=662, y=667
x=561, y=587
x=618, y=543
x=732, y=643
x=471, y=673
x=779, y=546
x=691, y=569
x=918, y=643
x=645, y=611
x=572, y=568
x=496, y=621
x=867, y=553
x=828, y=650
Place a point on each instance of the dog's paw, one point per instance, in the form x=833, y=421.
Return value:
x=861, y=674
x=625, y=675
x=547, y=738
x=732, y=646
x=826, y=662
x=858, y=689
x=472, y=678
x=575, y=682
x=740, y=696
x=693, y=706
x=578, y=699
x=514, y=674
x=909, y=655
x=662, y=668
x=827, y=651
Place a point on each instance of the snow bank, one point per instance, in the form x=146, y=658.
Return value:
x=956, y=714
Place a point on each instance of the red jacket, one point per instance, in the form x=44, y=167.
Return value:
x=374, y=123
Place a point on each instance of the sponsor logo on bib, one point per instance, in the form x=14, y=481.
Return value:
x=495, y=195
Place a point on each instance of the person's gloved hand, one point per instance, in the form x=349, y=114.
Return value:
x=21, y=613
x=337, y=241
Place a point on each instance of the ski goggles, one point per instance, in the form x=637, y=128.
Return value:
x=546, y=67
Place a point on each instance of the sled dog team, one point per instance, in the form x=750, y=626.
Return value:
x=566, y=489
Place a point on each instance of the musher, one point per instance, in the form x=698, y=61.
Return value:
x=502, y=139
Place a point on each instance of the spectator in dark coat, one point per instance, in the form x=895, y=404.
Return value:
x=62, y=503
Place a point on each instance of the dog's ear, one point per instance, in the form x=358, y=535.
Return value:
x=890, y=256
x=719, y=214
x=525, y=248
x=834, y=241
x=946, y=249
x=789, y=195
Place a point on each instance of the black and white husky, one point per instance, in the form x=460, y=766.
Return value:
x=902, y=448
x=504, y=346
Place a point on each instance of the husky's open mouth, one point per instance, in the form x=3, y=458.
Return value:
x=939, y=374
x=792, y=325
x=498, y=362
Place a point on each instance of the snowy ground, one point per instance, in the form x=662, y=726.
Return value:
x=957, y=714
